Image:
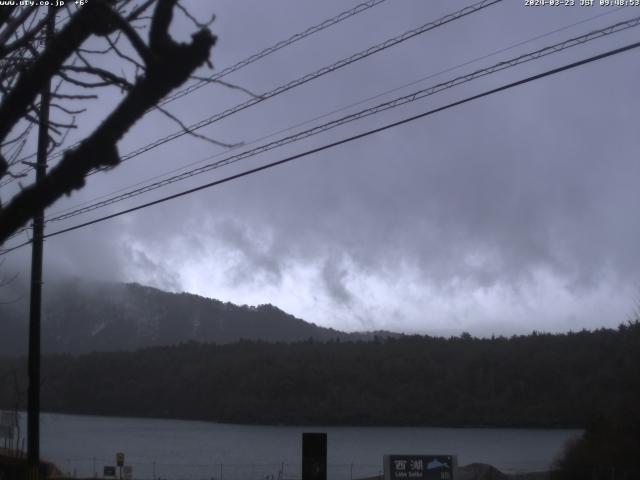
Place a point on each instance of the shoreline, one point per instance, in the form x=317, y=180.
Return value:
x=314, y=424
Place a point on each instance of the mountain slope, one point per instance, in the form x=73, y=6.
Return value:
x=81, y=316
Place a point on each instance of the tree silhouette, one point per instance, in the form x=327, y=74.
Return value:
x=70, y=60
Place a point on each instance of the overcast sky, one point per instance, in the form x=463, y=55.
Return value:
x=513, y=213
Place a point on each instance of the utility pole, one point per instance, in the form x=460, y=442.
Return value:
x=35, y=305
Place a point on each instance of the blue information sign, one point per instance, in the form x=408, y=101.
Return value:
x=419, y=467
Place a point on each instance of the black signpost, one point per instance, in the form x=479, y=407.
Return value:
x=314, y=456
x=419, y=467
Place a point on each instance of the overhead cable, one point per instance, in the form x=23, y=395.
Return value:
x=312, y=76
x=618, y=27
x=352, y=138
x=341, y=109
x=274, y=48
x=329, y=22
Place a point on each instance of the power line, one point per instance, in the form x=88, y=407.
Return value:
x=360, y=102
x=274, y=48
x=486, y=93
x=423, y=93
x=329, y=22
x=620, y=26
x=307, y=78
x=312, y=76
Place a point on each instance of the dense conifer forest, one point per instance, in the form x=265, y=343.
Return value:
x=538, y=380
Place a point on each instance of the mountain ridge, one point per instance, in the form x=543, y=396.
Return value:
x=80, y=316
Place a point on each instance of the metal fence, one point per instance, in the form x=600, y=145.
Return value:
x=83, y=468
x=93, y=468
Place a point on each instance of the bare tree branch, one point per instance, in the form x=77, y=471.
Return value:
x=31, y=81
x=68, y=110
x=82, y=83
x=137, y=42
x=5, y=14
x=194, y=20
x=74, y=96
x=189, y=131
x=12, y=25
x=232, y=86
x=28, y=36
x=169, y=65
x=124, y=56
x=136, y=13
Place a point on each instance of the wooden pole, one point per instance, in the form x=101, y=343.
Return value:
x=35, y=306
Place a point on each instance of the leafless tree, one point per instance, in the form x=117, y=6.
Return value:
x=70, y=61
x=11, y=415
x=6, y=280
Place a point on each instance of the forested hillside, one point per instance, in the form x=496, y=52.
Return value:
x=536, y=380
x=81, y=316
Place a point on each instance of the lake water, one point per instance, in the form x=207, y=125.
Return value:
x=176, y=449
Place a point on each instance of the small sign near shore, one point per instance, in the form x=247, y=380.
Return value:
x=420, y=467
x=127, y=472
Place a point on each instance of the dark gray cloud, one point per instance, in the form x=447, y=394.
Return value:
x=333, y=276
x=507, y=214
x=256, y=262
x=154, y=273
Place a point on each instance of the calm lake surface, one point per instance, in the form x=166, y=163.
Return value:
x=176, y=449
